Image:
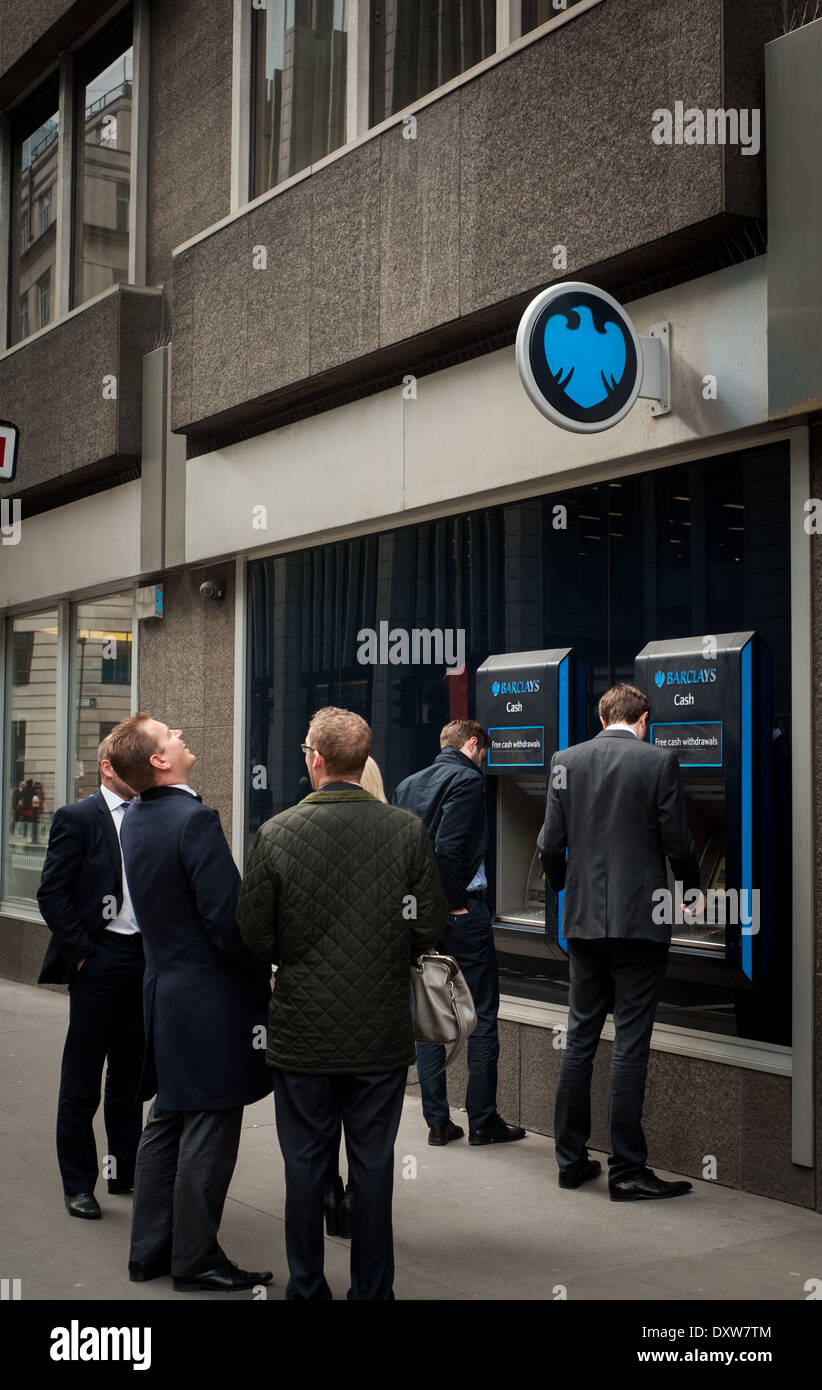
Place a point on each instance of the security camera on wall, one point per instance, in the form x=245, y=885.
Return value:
x=213, y=589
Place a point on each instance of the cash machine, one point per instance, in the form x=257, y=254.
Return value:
x=710, y=705
x=531, y=703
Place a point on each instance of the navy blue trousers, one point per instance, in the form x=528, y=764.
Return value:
x=470, y=940
x=309, y=1108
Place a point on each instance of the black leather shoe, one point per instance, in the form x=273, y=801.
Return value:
x=443, y=1134
x=140, y=1274
x=120, y=1187
x=83, y=1204
x=579, y=1173
x=645, y=1185
x=496, y=1131
x=226, y=1278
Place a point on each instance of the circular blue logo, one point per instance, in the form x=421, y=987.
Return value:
x=579, y=357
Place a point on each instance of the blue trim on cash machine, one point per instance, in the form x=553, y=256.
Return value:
x=563, y=725
x=746, y=760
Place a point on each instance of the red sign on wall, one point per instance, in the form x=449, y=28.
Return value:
x=9, y=435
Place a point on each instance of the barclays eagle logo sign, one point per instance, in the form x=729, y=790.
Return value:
x=495, y=688
x=586, y=359
x=579, y=357
x=659, y=679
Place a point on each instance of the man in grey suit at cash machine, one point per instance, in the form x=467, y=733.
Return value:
x=617, y=805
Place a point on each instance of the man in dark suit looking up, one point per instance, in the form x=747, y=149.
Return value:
x=97, y=950
x=617, y=805
x=449, y=798
x=205, y=1008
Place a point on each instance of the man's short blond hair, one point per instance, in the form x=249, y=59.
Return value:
x=343, y=738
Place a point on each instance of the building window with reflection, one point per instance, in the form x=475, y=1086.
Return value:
x=31, y=739
x=100, y=682
x=44, y=299
x=418, y=45
x=34, y=240
x=300, y=54
x=103, y=165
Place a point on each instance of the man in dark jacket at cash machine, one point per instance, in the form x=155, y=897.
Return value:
x=205, y=1006
x=341, y=893
x=449, y=798
x=617, y=806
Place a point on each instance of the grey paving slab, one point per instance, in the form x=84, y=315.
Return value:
x=470, y=1223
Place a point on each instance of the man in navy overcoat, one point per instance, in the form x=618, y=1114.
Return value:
x=206, y=999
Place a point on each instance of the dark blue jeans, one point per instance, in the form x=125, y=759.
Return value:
x=610, y=974
x=470, y=940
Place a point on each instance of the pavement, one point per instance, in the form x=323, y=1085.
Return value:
x=470, y=1223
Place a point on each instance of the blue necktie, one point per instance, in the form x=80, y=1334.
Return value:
x=124, y=805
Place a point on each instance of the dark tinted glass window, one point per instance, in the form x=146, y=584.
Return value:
x=697, y=549
x=417, y=45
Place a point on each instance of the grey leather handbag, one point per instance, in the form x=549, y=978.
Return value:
x=442, y=1005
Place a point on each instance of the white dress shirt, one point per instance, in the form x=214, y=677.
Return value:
x=125, y=923
x=623, y=726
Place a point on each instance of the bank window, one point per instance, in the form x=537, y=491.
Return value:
x=31, y=740
x=102, y=165
x=99, y=695
x=418, y=45
x=299, y=65
x=34, y=243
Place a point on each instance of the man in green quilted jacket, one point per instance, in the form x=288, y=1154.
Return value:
x=341, y=893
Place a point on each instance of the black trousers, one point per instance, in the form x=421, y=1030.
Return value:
x=185, y=1163
x=105, y=1030
x=309, y=1109
x=625, y=977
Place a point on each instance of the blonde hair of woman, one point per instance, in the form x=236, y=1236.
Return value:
x=371, y=780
